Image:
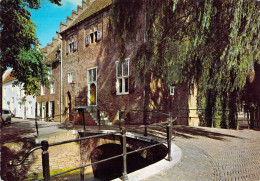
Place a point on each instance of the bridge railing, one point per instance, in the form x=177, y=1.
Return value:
x=45, y=154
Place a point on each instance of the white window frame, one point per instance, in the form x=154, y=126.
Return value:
x=42, y=90
x=123, y=78
x=50, y=109
x=172, y=89
x=92, y=75
x=52, y=88
x=49, y=74
x=89, y=84
x=70, y=77
x=38, y=108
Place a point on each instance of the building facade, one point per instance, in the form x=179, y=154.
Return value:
x=15, y=100
x=48, y=99
x=89, y=77
x=96, y=80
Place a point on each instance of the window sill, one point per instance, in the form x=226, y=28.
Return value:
x=125, y=93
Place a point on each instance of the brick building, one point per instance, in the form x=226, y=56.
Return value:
x=94, y=80
x=48, y=100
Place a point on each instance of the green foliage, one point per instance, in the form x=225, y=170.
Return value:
x=211, y=43
x=19, y=43
x=123, y=23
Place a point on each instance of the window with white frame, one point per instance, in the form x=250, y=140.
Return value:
x=70, y=77
x=92, y=86
x=122, y=74
x=92, y=75
x=51, y=109
x=172, y=90
x=38, y=108
x=52, y=88
x=50, y=74
x=42, y=90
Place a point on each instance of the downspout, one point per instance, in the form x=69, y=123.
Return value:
x=60, y=77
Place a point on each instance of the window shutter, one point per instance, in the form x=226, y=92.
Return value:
x=99, y=35
x=87, y=40
x=53, y=109
x=67, y=49
x=47, y=109
x=75, y=45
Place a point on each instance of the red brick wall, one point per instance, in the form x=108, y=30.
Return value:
x=53, y=97
x=103, y=55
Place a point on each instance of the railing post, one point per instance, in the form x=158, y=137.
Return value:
x=121, y=119
x=36, y=125
x=124, y=174
x=83, y=117
x=99, y=118
x=82, y=170
x=169, y=137
x=45, y=160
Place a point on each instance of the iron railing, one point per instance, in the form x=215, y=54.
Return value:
x=45, y=154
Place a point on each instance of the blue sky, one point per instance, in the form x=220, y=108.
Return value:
x=49, y=16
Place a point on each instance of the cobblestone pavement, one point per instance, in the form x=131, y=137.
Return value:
x=215, y=154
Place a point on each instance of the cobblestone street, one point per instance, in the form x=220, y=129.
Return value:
x=215, y=154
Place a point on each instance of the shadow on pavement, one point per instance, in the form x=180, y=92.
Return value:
x=10, y=133
x=190, y=132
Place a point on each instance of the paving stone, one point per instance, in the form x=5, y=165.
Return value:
x=215, y=154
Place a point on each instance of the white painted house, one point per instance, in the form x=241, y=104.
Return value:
x=15, y=100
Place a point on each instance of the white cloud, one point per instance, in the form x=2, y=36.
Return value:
x=77, y=2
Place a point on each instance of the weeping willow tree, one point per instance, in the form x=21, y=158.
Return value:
x=209, y=43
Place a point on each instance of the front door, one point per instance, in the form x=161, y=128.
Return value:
x=92, y=86
x=93, y=94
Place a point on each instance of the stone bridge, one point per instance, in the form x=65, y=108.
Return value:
x=71, y=155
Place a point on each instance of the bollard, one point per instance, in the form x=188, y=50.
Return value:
x=124, y=174
x=169, y=137
x=45, y=160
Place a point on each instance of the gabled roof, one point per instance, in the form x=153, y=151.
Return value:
x=7, y=76
x=95, y=7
